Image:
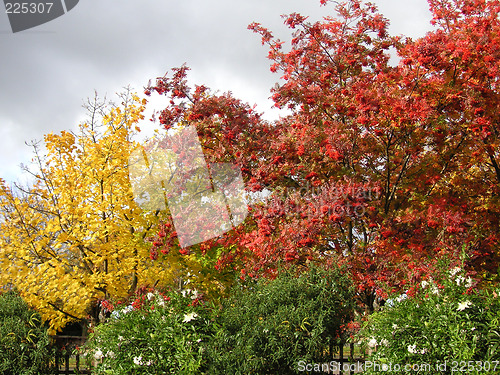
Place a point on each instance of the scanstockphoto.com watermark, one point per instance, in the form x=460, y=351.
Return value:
x=407, y=368
x=204, y=199
x=325, y=200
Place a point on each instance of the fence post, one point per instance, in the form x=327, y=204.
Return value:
x=66, y=359
x=56, y=369
x=330, y=348
x=341, y=354
x=351, y=346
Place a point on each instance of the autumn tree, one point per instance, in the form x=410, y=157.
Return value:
x=455, y=67
x=410, y=132
x=321, y=163
x=385, y=167
x=76, y=235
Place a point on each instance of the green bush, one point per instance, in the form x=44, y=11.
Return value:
x=24, y=342
x=269, y=327
x=158, y=333
x=447, y=321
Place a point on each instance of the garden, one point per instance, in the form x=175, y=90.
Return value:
x=368, y=227
x=271, y=327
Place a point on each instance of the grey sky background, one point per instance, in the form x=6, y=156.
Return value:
x=48, y=72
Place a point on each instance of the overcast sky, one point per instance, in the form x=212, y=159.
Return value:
x=47, y=72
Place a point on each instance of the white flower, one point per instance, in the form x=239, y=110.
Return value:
x=150, y=296
x=394, y=326
x=424, y=284
x=423, y=351
x=402, y=297
x=120, y=338
x=110, y=355
x=463, y=305
x=469, y=282
x=460, y=279
x=384, y=342
x=189, y=317
x=138, y=360
x=372, y=343
x=98, y=354
x=454, y=271
x=434, y=289
x=412, y=349
x=192, y=292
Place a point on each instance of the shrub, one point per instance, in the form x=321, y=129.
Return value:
x=24, y=342
x=158, y=333
x=444, y=321
x=269, y=327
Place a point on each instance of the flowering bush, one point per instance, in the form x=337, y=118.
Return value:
x=269, y=327
x=156, y=333
x=448, y=320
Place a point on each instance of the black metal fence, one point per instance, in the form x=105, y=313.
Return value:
x=66, y=359
x=349, y=360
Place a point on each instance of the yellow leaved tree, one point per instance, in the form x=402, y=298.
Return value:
x=76, y=235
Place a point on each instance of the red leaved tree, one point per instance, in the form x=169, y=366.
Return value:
x=385, y=168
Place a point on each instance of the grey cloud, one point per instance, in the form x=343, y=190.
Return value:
x=105, y=45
